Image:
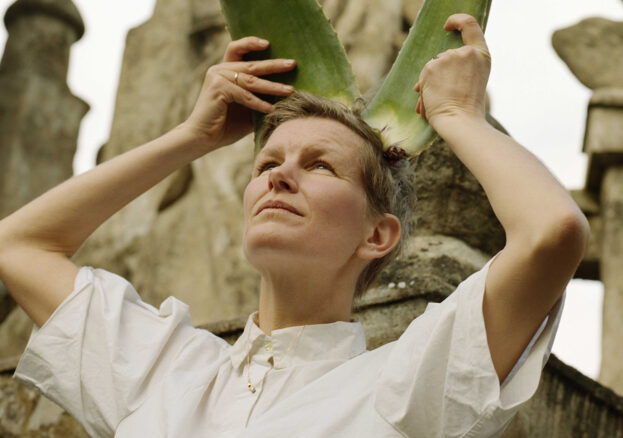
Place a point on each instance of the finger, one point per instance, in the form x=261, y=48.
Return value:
x=258, y=85
x=470, y=30
x=238, y=48
x=260, y=68
x=247, y=99
x=417, y=87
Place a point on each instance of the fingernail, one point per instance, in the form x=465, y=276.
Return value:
x=288, y=87
x=290, y=62
x=263, y=42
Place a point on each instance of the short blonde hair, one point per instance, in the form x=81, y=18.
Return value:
x=389, y=182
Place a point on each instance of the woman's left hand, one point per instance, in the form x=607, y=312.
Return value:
x=454, y=82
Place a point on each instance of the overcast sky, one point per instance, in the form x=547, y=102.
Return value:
x=532, y=92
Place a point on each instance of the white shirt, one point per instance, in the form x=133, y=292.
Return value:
x=122, y=367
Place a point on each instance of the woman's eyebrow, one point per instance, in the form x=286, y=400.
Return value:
x=321, y=148
x=266, y=152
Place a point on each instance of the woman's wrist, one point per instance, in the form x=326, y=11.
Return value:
x=450, y=125
x=195, y=139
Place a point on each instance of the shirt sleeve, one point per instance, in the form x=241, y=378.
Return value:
x=103, y=350
x=439, y=379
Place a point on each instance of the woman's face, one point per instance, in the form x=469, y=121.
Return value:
x=305, y=202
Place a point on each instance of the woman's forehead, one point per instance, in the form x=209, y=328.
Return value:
x=314, y=134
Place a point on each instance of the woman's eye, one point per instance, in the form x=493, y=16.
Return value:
x=322, y=165
x=263, y=167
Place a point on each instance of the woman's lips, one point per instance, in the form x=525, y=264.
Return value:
x=278, y=205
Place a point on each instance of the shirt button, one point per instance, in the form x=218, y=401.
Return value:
x=268, y=346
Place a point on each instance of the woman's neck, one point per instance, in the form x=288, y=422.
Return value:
x=291, y=300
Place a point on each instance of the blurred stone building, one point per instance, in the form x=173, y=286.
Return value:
x=183, y=237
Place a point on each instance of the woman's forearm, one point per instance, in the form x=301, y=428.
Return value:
x=527, y=199
x=62, y=218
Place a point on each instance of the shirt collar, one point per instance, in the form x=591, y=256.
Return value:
x=338, y=340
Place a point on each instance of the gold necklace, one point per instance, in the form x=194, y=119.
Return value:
x=273, y=365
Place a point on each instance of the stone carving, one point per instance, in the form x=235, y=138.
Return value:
x=34, y=92
x=36, y=144
x=611, y=373
x=593, y=50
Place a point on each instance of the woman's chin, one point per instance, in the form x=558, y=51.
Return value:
x=275, y=253
x=270, y=252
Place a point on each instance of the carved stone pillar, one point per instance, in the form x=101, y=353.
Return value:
x=593, y=50
x=612, y=276
x=39, y=116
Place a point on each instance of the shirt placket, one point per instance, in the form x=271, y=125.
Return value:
x=260, y=363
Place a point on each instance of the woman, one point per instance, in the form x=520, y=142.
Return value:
x=300, y=368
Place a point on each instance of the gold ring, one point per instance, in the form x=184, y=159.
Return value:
x=236, y=78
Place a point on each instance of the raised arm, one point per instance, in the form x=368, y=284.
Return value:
x=546, y=233
x=37, y=241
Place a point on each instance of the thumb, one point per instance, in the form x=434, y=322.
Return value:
x=470, y=30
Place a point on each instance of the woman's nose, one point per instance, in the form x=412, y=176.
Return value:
x=280, y=178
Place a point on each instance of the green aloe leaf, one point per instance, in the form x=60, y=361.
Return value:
x=393, y=107
x=296, y=29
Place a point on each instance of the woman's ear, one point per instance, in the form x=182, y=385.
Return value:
x=383, y=237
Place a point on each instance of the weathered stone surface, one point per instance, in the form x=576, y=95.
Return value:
x=588, y=203
x=452, y=202
x=39, y=119
x=568, y=404
x=603, y=135
x=14, y=333
x=612, y=276
x=604, y=126
x=371, y=36
x=26, y=414
x=6, y=302
x=16, y=404
x=429, y=271
x=592, y=50
x=410, y=10
x=62, y=10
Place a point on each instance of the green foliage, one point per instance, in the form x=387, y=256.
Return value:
x=298, y=29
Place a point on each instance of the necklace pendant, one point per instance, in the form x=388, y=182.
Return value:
x=251, y=388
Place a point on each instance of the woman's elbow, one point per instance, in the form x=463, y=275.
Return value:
x=566, y=236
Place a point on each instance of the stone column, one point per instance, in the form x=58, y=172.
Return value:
x=612, y=276
x=39, y=116
x=593, y=50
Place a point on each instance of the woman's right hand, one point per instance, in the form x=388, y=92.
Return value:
x=222, y=113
